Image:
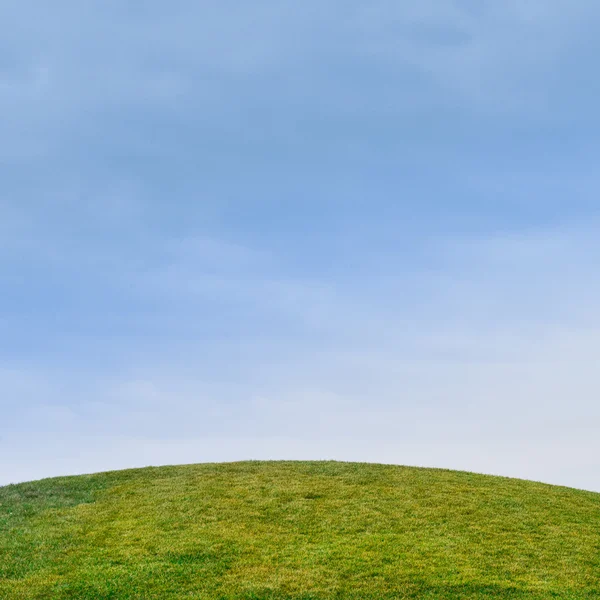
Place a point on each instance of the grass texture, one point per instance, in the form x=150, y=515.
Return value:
x=297, y=530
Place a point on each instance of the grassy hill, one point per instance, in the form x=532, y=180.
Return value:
x=297, y=530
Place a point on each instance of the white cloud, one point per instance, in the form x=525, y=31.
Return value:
x=453, y=388
x=477, y=354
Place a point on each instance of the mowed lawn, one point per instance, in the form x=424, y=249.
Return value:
x=297, y=530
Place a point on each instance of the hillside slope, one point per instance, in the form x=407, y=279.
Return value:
x=297, y=530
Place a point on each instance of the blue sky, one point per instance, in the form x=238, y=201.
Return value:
x=361, y=231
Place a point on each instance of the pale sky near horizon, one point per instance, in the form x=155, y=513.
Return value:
x=300, y=230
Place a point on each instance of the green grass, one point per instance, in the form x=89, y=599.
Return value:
x=297, y=530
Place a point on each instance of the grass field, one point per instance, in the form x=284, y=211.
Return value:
x=297, y=530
